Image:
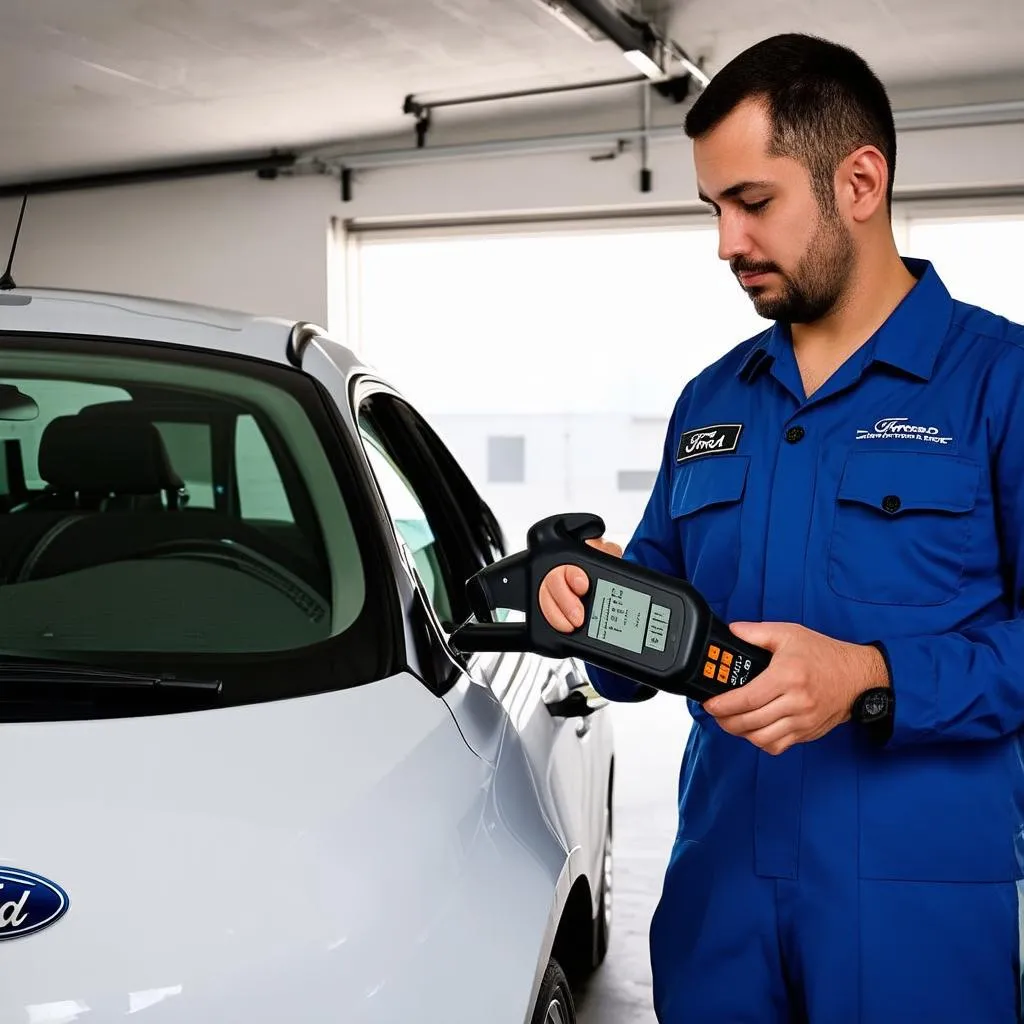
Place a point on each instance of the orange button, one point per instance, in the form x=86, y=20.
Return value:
x=726, y=658
x=723, y=674
x=709, y=670
x=713, y=653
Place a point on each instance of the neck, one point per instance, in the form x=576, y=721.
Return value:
x=875, y=289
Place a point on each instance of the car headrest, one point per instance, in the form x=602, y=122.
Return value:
x=115, y=453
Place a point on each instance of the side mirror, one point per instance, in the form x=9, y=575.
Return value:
x=16, y=405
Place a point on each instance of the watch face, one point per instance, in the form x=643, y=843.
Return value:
x=876, y=704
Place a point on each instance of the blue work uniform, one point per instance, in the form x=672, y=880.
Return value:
x=843, y=881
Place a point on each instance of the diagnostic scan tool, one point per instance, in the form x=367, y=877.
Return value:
x=645, y=625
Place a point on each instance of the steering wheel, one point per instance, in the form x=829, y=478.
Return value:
x=243, y=559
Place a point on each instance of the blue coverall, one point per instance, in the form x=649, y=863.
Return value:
x=844, y=882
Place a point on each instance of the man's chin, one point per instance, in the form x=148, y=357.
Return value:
x=766, y=305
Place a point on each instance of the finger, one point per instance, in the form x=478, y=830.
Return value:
x=559, y=584
x=750, y=722
x=751, y=697
x=577, y=579
x=552, y=612
x=760, y=634
x=776, y=738
x=607, y=546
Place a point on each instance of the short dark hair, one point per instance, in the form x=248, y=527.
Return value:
x=823, y=102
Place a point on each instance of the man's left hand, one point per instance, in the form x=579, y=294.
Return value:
x=806, y=691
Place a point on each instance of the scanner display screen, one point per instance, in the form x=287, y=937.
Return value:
x=626, y=618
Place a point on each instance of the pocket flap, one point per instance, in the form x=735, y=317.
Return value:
x=896, y=482
x=715, y=480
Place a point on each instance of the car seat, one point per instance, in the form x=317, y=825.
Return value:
x=105, y=461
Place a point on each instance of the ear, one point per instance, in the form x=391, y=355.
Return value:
x=862, y=180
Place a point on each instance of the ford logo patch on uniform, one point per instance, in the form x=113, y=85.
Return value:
x=715, y=440
x=28, y=903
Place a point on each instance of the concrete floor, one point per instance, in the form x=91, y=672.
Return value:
x=649, y=741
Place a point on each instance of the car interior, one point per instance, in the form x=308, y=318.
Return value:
x=157, y=495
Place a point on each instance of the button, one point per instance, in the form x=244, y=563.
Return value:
x=891, y=503
x=723, y=675
x=709, y=669
x=726, y=659
x=795, y=434
x=713, y=652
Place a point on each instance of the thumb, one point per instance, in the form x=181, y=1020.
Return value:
x=760, y=634
x=577, y=580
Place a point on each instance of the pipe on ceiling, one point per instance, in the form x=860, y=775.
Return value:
x=265, y=166
x=914, y=119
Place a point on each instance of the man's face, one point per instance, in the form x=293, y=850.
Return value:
x=792, y=258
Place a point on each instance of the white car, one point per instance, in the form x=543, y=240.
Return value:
x=246, y=778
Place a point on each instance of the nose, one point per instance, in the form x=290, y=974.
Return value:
x=733, y=240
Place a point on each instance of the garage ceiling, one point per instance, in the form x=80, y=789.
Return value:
x=108, y=84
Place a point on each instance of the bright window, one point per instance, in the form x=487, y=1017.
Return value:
x=577, y=339
x=573, y=343
x=978, y=258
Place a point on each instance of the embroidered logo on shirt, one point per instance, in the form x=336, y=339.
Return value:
x=715, y=440
x=897, y=428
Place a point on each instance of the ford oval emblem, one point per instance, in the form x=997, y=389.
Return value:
x=28, y=903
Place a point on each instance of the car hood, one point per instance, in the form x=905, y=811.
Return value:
x=295, y=860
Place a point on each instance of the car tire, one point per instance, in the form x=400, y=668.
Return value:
x=554, y=1001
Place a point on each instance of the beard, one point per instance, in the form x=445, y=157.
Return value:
x=815, y=288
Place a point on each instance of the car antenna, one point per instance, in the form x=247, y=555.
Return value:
x=7, y=281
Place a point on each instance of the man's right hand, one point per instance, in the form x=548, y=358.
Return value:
x=562, y=588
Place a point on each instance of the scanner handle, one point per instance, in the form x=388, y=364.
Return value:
x=503, y=584
x=556, y=530
x=742, y=660
x=490, y=636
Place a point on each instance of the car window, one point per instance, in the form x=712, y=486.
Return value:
x=54, y=398
x=120, y=544
x=190, y=446
x=261, y=491
x=409, y=518
x=436, y=508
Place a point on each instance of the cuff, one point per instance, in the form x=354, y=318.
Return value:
x=914, y=679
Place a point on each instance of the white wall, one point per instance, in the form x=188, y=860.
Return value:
x=562, y=472
x=262, y=246
x=237, y=242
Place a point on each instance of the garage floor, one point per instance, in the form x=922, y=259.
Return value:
x=649, y=740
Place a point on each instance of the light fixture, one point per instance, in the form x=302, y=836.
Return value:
x=645, y=48
x=573, y=19
x=645, y=64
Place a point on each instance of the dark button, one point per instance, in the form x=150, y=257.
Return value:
x=891, y=503
x=794, y=434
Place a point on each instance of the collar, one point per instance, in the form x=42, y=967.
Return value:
x=762, y=353
x=916, y=329
x=909, y=339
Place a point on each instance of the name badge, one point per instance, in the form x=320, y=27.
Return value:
x=716, y=440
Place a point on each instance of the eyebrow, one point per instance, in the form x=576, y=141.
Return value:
x=735, y=190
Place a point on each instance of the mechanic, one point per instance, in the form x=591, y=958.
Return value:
x=847, y=490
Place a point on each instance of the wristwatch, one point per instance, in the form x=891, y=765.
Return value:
x=874, y=711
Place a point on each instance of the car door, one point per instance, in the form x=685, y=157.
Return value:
x=450, y=534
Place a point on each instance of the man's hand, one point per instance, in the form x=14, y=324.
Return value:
x=562, y=588
x=806, y=691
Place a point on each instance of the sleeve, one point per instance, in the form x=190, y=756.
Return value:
x=655, y=544
x=969, y=685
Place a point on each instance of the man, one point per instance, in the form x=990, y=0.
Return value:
x=851, y=821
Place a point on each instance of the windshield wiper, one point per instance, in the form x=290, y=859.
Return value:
x=66, y=672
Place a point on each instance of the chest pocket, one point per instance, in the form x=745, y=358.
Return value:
x=706, y=503
x=901, y=527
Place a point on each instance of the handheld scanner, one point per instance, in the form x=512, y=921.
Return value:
x=639, y=623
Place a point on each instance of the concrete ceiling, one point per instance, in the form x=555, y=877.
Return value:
x=108, y=84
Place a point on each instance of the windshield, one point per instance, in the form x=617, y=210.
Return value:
x=172, y=506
